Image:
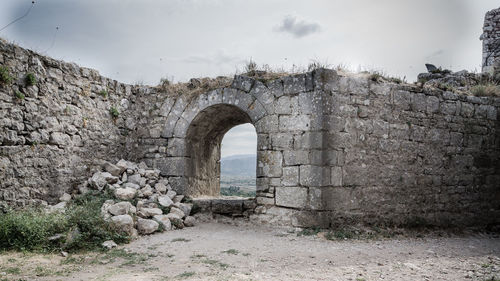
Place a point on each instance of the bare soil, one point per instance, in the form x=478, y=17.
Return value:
x=243, y=251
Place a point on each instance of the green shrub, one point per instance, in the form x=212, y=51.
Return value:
x=103, y=93
x=84, y=214
x=19, y=95
x=5, y=77
x=30, y=79
x=29, y=230
x=486, y=89
x=114, y=112
x=81, y=227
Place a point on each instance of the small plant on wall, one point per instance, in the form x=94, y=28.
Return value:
x=19, y=95
x=30, y=79
x=114, y=112
x=5, y=77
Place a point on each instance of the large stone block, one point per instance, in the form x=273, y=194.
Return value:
x=290, y=176
x=314, y=175
x=292, y=123
x=243, y=83
x=291, y=196
x=269, y=163
x=294, y=84
x=172, y=166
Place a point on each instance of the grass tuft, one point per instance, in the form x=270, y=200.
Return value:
x=30, y=79
x=5, y=77
x=114, y=112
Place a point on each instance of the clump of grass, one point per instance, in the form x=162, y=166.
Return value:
x=186, y=274
x=180, y=240
x=231, y=252
x=82, y=227
x=114, y=112
x=5, y=77
x=19, y=95
x=309, y=231
x=103, y=93
x=486, y=89
x=339, y=235
x=30, y=79
x=375, y=77
x=30, y=229
x=314, y=65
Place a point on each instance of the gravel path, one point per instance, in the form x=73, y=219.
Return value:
x=217, y=251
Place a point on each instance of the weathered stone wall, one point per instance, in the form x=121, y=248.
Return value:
x=53, y=134
x=491, y=40
x=332, y=148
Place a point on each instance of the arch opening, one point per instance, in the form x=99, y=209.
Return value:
x=238, y=162
x=203, y=144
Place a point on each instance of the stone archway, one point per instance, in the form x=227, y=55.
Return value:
x=203, y=143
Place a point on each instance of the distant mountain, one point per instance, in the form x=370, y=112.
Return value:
x=239, y=165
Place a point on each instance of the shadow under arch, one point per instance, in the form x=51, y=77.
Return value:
x=203, y=145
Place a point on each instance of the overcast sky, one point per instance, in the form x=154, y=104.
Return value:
x=143, y=41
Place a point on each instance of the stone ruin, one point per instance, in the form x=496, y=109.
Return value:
x=332, y=148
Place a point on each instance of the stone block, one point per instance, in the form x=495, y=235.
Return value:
x=308, y=140
x=291, y=196
x=418, y=102
x=172, y=166
x=227, y=206
x=269, y=163
x=287, y=105
x=256, y=111
x=281, y=141
x=432, y=104
x=267, y=124
x=290, y=176
x=296, y=157
x=243, y=83
x=294, y=84
x=275, y=87
x=336, y=176
x=292, y=123
x=314, y=175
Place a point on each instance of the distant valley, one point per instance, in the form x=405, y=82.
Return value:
x=238, y=175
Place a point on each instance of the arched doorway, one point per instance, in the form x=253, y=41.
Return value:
x=203, y=147
x=239, y=161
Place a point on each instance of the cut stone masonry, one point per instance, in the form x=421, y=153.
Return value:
x=332, y=148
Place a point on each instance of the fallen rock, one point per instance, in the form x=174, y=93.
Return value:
x=189, y=221
x=165, y=201
x=161, y=188
x=185, y=207
x=178, y=212
x=113, y=169
x=147, y=191
x=124, y=223
x=131, y=185
x=122, y=208
x=137, y=179
x=65, y=197
x=145, y=226
x=110, y=244
x=178, y=198
x=149, y=212
x=164, y=221
x=125, y=193
x=171, y=194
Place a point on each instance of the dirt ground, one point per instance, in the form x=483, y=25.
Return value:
x=243, y=251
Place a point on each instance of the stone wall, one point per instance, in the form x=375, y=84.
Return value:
x=53, y=133
x=332, y=148
x=491, y=41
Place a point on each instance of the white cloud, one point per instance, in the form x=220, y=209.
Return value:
x=298, y=28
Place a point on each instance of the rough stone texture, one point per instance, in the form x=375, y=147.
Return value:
x=147, y=226
x=124, y=223
x=491, y=41
x=331, y=148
